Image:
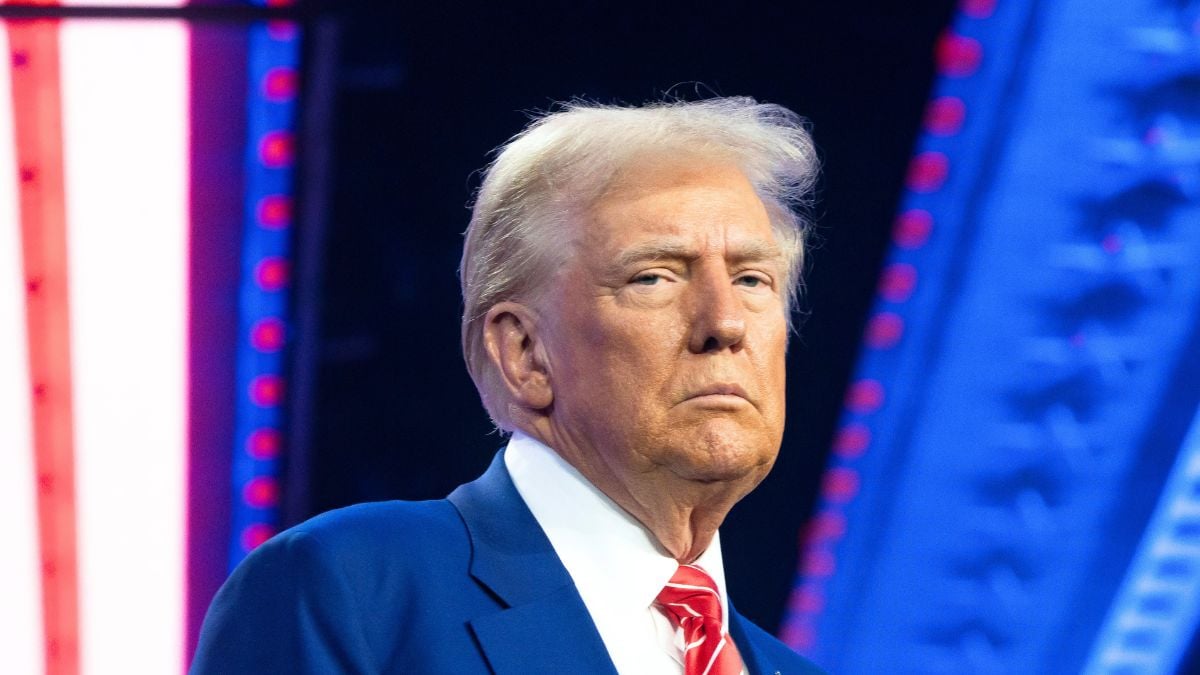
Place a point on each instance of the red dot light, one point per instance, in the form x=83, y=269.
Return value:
x=809, y=599
x=852, y=440
x=1112, y=244
x=819, y=564
x=261, y=492
x=264, y=443
x=277, y=149
x=266, y=390
x=267, y=335
x=282, y=30
x=897, y=282
x=945, y=115
x=958, y=56
x=840, y=485
x=272, y=274
x=927, y=172
x=254, y=535
x=978, y=9
x=280, y=84
x=826, y=526
x=912, y=228
x=865, y=396
x=884, y=330
x=799, y=636
x=275, y=211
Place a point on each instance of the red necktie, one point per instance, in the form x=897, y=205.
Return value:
x=690, y=598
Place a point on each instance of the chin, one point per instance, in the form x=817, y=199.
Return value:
x=722, y=451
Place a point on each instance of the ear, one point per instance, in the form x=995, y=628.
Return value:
x=512, y=342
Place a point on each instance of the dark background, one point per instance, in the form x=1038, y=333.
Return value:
x=422, y=92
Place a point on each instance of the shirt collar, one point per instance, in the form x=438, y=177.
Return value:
x=613, y=559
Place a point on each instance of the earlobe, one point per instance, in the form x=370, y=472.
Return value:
x=510, y=335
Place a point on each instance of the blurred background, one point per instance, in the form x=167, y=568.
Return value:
x=229, y=235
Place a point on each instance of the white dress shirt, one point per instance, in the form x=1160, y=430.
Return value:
x=617, y=565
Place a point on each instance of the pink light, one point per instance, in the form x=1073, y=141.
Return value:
x=254, y=535
x=272, y=274
x=126, y=125
x=266, y=390
x=884, y=330
x=275, y=211
x=927, y=172
x=958, y=56
x=267, y=335
x=264, y=443
x=865, y=396
x=852, y=440
x=276, y=149
x=897, y=282
x=280, y=84
x=840, y=485
x=945, y=115
x=912, y=228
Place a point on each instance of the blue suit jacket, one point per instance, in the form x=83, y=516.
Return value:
x=467, y=584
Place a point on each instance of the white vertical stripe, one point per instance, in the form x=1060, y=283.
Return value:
x=21, y=638
x=125, y=124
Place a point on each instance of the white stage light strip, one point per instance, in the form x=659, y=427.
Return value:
x=125, y=124
x=21, y=639
x=1156, y=612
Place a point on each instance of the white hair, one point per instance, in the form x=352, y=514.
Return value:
x=564, y=160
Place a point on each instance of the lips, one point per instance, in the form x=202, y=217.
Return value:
x=721, y=389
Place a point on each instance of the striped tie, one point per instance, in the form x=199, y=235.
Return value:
x=690, y=598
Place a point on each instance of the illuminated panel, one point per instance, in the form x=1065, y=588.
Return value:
x=34, y=59
x=20, y=581
x=271, y=103
x=1158, y=607
x=125, y=92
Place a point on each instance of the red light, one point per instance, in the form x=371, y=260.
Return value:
x=897, y=282
x=978, y=9
x=261, y=492
x=884, y=330
x=818, y=564
x=272, y=274
x=266, y=390
x=865, y=396
x=282, y=30
x=280, y=84
x=826, y=526
x=840, y=485
x=254, y=535
x=1112, y=244
x=927, y=172
x=275, y=211
x=798, y=635
x=264, y=443
x=809, y=599
x=912, y=228
x=852, y=440
x=276, y=150
x=958, y=56
x=945, y=115
x=267, y=335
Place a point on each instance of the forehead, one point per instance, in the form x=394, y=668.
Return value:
x=707, y=203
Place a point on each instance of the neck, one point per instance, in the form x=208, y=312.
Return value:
x=683, y=515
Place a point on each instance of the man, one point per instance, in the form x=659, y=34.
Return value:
x=628, y=275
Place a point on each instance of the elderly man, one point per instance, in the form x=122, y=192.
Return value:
x=627, y=276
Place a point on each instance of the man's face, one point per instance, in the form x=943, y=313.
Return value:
x=666, y=332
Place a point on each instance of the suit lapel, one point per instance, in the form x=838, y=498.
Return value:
x=755, y=660
x=544, y=625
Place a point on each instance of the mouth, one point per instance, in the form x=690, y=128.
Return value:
x=720, y=391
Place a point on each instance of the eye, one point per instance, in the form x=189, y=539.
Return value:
x=647, y=279
x=751, y=281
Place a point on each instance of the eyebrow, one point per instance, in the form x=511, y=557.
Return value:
x=750, y=251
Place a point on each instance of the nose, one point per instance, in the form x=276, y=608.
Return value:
x=718, y=315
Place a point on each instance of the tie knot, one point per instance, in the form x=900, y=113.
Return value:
x=691, y=594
